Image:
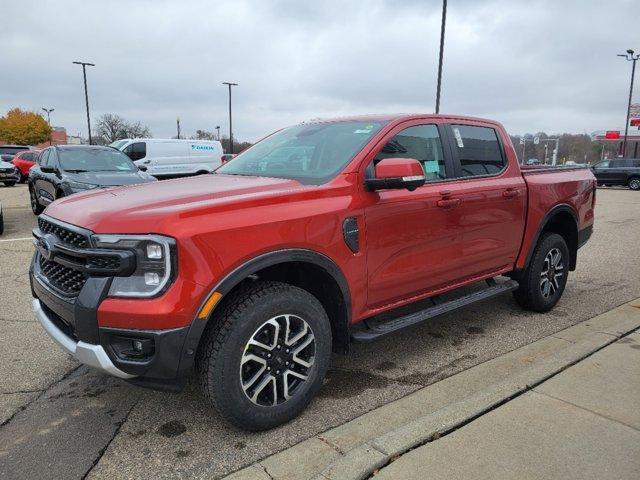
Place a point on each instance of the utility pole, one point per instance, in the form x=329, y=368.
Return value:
x=629, y=56
x=230, y=119
x=218, y=129
x=178, y=125
x=444, y=21
x=86, y=95
x=49, y=110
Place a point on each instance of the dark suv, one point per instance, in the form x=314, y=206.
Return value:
x=66, y=169
x=618, y=171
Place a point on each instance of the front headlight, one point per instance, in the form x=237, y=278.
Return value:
x=156, y=263
x=81, y=186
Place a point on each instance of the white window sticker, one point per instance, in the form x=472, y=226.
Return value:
x=456, y=133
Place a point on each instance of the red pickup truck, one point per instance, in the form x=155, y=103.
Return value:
x=321, y=234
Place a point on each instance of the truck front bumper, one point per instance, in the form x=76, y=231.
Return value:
x=72, y=322
x=87, y=353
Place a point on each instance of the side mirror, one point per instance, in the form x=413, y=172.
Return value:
x=142, y=168
x=396, y=173
x=48, y=169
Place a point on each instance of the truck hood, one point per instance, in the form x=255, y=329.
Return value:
x=107, y=179
x=151, y=206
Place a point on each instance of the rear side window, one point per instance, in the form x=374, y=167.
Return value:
x=136, y=151
x=478, y=150
x=27, y=156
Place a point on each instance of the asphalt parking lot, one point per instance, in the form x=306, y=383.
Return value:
x=60, y=420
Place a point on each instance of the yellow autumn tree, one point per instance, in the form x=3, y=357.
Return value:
x=21, y=127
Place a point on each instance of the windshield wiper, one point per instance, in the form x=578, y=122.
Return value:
x=75, y=170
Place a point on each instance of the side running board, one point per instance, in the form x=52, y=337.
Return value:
x=373, y=328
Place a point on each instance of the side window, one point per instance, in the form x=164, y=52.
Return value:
x=421, y=142
x=43, y=158
x=136, y=151
x=53, y=158
x=478, y=150
x=604, y=164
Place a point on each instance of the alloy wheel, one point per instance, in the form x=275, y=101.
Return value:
x=552, y=272
x=277, y=360
x=634, y=184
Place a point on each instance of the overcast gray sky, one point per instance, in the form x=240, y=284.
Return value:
x=533, y=65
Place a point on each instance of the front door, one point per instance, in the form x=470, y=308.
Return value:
x=414, y=241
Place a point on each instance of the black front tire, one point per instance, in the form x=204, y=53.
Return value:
x=9, y=184
x=36, y=208
x=226, y=343
x=540, y=288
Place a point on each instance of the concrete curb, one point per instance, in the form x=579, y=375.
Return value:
x=356, y=449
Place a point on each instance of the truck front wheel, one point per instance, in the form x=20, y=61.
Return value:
x=265, y=354
x=542, y=282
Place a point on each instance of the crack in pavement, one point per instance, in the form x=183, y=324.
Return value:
x=42, y=392
x=115, y=434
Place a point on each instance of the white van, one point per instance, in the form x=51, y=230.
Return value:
x=172, y=157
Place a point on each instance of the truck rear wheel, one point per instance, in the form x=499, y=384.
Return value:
x=265, y=354
x=543, y=281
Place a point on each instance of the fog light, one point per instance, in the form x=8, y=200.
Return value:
x=151, y=278
x=137, y=345
x=154, y=251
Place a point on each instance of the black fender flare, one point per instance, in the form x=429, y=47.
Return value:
x=545, y=221
x=240, y=273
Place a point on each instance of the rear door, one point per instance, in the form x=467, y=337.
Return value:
x=413, y=244
x=493, y=199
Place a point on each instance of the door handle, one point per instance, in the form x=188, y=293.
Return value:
x=510, y=193
x=449, y=202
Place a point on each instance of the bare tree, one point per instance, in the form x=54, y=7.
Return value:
x=111, y=127
x=203, y=135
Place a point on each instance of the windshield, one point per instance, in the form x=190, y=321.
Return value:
x=95, y=160
x=118, y=143
x=313, y=154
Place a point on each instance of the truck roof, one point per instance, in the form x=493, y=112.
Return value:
x=397, y=117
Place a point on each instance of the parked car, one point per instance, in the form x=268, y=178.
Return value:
x=12, y=149
x=255, y=274
x=9, y=174
x=67, y=169
x=619, y=171
x=533, y=161
x=24, y=160
x=173, y=157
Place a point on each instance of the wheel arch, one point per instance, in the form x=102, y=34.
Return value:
x=563, y=220
x=307, y=269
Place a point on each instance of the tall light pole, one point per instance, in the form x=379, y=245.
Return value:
x=49, y=110
x=632, y=58
x=218, y=129
x=230, y=120
x=444, y=21
x=86, y=95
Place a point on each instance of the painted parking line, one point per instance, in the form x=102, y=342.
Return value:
x=16, y=239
